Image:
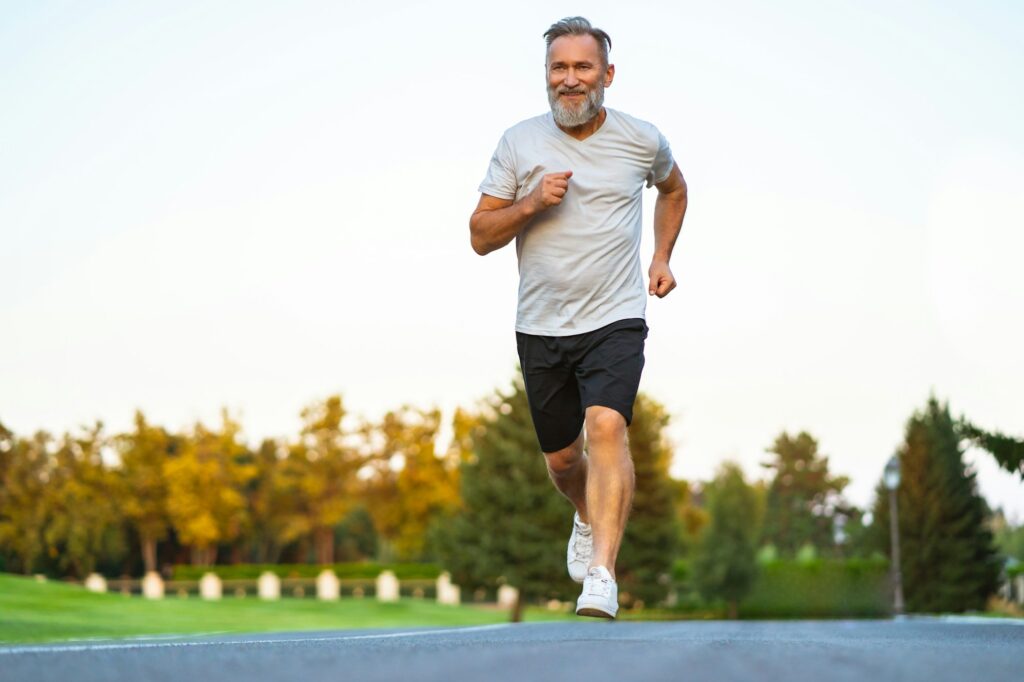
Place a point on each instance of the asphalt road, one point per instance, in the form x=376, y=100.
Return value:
x=930, y=650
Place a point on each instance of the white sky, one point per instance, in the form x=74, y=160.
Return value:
x=259, y=204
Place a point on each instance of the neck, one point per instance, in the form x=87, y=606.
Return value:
x=585, y=130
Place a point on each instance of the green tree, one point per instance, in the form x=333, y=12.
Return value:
x=513, y=525
x=271, y=504
x=803, y=496
x=947, y=555
x=725, y=563
x=23, y=473
x=84, y=523
x=206, y=482
x=143, y=453
x=651, y=539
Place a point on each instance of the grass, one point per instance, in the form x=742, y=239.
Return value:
x=32, y=611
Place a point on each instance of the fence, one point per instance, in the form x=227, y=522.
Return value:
x=326, y=586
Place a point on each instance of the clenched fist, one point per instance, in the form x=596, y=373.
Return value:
x=550, y=190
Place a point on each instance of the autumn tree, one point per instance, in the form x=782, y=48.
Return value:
x=84, y=521
x=23, y=474
x=802, y=497
x=321, y=469
x=143, y=454
x=412, y=484
x=205, y=484
x=273, y=508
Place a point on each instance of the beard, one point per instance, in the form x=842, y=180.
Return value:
x=569, y=116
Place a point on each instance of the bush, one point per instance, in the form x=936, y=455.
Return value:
x=353, y=570
x=820, y=588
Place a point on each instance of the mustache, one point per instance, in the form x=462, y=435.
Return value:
x=574, y=91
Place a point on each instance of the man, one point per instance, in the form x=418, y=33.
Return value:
x=567, y=186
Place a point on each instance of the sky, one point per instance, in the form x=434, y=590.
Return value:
x=256, y=205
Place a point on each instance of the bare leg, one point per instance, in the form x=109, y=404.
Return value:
x=610, y=482
x=568, y=471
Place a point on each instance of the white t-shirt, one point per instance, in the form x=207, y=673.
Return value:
x=579, y=262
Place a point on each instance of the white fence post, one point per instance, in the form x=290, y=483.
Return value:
x=507, y=596
x=327, y=586
x=152, y=586
x=446, y=592
x=387, y=587
x=96, y=583
x=269, y=586
x=210, y=586
x=1020, y=589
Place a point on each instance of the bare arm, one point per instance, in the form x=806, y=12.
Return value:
x=496, y=222
x=668, y=220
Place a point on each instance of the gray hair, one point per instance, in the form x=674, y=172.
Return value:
x=578, y=26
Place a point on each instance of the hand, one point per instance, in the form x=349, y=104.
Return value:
x=550, y=190
x=662, y=280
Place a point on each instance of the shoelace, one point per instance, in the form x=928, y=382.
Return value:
x=584, y=544
x=600, y=586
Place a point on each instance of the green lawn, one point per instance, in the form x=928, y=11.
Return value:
x=32, y=611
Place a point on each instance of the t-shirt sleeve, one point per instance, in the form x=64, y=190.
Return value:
x=500, y=180
x=663, y=162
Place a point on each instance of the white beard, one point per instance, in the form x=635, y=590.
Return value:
x=573, y=117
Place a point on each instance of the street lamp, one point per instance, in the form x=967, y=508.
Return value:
x=892, y=482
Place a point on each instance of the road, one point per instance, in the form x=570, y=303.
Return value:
x=932, y=650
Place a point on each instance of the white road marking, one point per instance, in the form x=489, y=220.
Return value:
x=65, y=648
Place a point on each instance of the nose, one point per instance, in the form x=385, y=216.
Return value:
x=571, y=79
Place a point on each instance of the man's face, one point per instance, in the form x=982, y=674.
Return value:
x=576, y=79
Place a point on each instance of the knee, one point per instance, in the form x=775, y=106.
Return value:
x=565, y=459
x=605, y=424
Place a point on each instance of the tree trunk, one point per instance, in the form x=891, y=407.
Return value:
x=517, y=609
x=325, y=546
x=149, y=554
x=733, y=610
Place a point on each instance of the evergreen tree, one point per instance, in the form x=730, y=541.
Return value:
x=803, y=496
x=514, y=525
x=948, y=560
x=651, y=540
x=725, y=565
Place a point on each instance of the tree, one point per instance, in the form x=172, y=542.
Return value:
x=651, y=539
x=412, y=484
x=144, y=453
x=1008, y=451
x=513, y=526
x=322, y=468
x=948, y=560
x=802, y=497
x=23, y=473
x=84, y=522
x=206, y=503
x=725, y=564
x=271, y=505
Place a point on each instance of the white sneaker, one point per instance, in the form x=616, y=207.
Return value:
x=581, y=549
x=600, y=597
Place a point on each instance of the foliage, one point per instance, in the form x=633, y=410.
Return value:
x=84, y=521
x=652, y=535
x=205, y=482
x=1008, y=451
x=143, y=454
x=1009, y=538
x=23, y=474
x=803, y=495
x=513, y=525
x=412, y=484
x=819, y=588
x=948, y=560
x=724, y=566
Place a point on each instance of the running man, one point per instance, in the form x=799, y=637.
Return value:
x=567, y=186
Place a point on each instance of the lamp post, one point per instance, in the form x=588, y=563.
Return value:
x=892, y=482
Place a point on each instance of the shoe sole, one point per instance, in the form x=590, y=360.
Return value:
x=594, y=612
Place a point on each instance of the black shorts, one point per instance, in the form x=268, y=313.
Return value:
x=565, y=375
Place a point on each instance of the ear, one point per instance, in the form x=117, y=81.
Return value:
x=609, y=74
